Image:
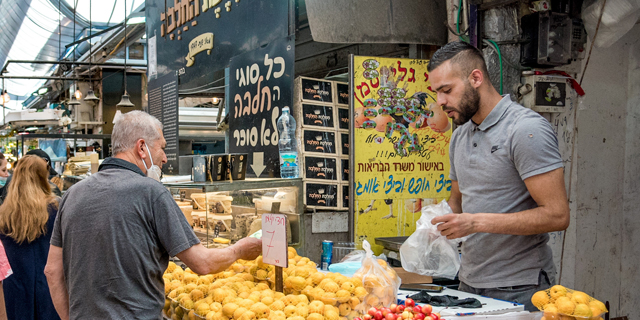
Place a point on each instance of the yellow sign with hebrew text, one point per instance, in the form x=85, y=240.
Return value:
x=198, y=44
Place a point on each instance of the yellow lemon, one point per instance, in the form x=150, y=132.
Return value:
x=582, y=310
x=599, y=305
x=557, y=291
x=565, y=306
x=539, y=299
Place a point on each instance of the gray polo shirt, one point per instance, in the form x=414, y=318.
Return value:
x=117, y=229
x=490, y=161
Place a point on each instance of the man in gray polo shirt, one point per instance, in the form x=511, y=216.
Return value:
x=116, y=230
x=507, y=179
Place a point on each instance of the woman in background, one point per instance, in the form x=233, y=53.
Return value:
x=4, y=172
x=5, y=268
x=26, y=221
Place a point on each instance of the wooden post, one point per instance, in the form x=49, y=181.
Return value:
x=279, y=281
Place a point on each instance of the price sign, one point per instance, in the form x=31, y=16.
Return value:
x=274, y=239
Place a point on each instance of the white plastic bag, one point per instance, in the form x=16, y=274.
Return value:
x=380, y=281
x=426, y=251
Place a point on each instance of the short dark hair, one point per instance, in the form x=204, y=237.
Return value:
x=466, y=56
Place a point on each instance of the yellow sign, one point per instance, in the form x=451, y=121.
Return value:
x=199, y=44
x=401, y=146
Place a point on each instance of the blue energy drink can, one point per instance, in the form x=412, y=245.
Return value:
x=327, y=253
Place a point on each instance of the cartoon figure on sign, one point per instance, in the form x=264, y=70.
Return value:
x=320, y=165
x=321, y=192
x=438, y=120
x=319, y=147
x=370, y=207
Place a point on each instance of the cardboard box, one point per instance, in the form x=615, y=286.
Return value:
x=316, y=141
x=325, y=168
x=410, y=277
x=321, y=195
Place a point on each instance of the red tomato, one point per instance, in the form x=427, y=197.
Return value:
x=400, y=308
x=409, y=302
x=372, y=311
x=435, y=316
x=390, y=316
x=419, y=316
x=367, y=317
x=378, y=315
x=426, y=309
x=409, y=309
x=393, y=308
x=385, y=311
x=417, y=309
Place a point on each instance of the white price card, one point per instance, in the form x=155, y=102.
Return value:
x=274, y=240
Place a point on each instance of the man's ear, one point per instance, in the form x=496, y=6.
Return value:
x=476, y=78
x=140, y=149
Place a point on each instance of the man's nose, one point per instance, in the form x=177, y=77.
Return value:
x=164, y=157
x=440, y=99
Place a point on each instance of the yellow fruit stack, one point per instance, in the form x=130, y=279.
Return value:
x=245, y=292
x=560, y=303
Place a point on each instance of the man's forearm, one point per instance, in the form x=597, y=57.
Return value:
x=59, y=294
x=220, y=259
x=534, y=221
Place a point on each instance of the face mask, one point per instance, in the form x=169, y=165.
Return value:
x=154, y=172
x=3, y=181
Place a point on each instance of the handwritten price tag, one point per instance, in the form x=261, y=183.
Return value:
x=274, y=239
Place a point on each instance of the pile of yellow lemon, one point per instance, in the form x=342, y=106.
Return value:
x=245, y=291
x=559, y=302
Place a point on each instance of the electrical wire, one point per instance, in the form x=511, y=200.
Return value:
x=500, y=59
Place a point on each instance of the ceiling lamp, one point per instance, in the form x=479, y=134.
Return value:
x=125, y=102
x=73, y=101
x=77, y=94
x=91, y=96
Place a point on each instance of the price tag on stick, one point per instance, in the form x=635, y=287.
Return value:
x=274, y=244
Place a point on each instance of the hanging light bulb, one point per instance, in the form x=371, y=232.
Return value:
x=215, y=100
x=5, y=97
x=77, y=94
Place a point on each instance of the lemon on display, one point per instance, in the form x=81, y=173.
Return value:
x=557, y=291
x=565, y=305
x=540, y=299
x=582, y=310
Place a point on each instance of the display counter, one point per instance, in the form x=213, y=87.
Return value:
x=230, y=210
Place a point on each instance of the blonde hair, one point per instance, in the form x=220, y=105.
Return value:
x=24, y=214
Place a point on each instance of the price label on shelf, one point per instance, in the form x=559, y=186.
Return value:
x=274, y=239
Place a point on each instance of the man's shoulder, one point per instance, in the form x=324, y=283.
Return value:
x=525, y=119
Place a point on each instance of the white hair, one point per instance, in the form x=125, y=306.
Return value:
x=132, y=126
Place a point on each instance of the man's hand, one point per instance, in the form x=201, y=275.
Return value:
x=455, y=225
x=249, y=248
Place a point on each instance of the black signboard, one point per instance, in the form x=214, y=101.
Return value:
x=344, y=169
x=259, y=87
x=163, y=104
x=343, y=93
x=321, y=195
x=343, y=118
x=194, y=39
x=321, y=168
x=319, y=141
x=317, y=115
x=317, y=90
x=344, y=143
x=345, y=196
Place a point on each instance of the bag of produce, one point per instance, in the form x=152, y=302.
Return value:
x=426, y=251
x=559, y=302
x=379, y=280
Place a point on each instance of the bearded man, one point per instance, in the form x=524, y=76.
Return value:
x=507, y=178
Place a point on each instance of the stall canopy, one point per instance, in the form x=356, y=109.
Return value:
x=29, y=30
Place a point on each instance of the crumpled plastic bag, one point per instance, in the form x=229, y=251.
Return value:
x=381, y=281
x=426, y=251
x=352, y=262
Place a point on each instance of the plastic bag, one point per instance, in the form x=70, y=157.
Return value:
x=426, y=251
x=380, y=281
x=559, y=302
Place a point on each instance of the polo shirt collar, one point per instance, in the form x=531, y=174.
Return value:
x=115, y=163
x=496, y=114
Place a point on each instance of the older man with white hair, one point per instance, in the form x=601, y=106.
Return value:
x=116, y=230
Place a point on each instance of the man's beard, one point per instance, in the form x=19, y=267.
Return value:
x=469, y=105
